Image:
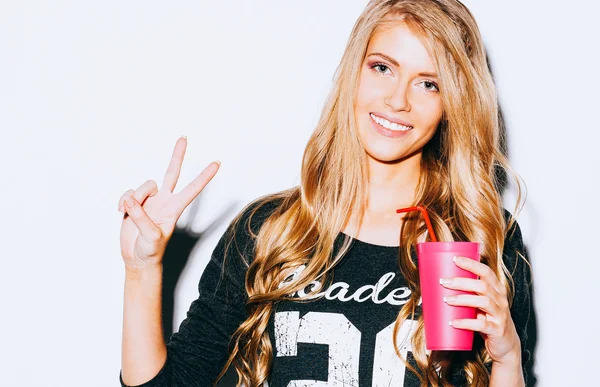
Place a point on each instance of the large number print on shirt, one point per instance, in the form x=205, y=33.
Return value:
x=343, y=339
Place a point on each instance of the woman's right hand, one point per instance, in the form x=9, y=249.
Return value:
x=150, y=213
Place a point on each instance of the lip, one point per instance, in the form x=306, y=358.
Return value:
x=392, y=119
x=388, y=132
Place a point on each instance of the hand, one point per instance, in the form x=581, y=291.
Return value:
x=494, y=321
x=150, y=213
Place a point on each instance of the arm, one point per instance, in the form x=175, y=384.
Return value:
x=502, y=325
x=522, y=305
x=143, y=351
x=520, y=368
x=508, y=374
x=196, y=353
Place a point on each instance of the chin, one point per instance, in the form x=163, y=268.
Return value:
x=384, y=150
x=389, y=156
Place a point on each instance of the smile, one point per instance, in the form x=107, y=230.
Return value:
x=390, y=125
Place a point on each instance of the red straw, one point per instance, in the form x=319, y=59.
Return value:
x=425, y=215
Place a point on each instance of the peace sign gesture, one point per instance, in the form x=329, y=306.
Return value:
x=150, y=213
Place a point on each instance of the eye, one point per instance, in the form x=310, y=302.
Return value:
x=380, y=67
x=430, y=84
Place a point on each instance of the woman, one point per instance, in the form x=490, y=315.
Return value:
x=318, y=285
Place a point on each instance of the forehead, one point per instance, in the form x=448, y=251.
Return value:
x=400, y=43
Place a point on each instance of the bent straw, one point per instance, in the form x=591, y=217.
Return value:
x=425, y=215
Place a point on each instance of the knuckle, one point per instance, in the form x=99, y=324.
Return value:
x=488, y=326
x=122, y=199
x=488, y=271
x=149, y=184
x=137, y=207
x=488, y=302
x=144, y=190
x=134, y=210
x=154, y=234
x=484, y=287
x=127, y=193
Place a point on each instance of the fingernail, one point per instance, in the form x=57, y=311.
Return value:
x=445, y=281
x=129, y=202
x=218, y=162
x=449, y=299
x=455, y=258
x=451, y=323
x=183, y=136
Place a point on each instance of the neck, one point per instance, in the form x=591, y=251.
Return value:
x=392, y=185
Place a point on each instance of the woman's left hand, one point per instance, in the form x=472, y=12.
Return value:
x=494, y=321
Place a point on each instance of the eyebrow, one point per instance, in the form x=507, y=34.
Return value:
x=395, y=63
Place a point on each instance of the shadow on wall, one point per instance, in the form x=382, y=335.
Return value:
x=531, y=344
x=182, y=243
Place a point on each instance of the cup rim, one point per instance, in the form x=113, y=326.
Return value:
x=439, y=243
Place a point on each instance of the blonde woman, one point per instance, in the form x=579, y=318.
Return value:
x=318, y=285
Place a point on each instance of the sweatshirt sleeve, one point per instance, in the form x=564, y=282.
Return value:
x=197, y=353
x=521, y=308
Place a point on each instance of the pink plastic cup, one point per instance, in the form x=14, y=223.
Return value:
x=435, y=262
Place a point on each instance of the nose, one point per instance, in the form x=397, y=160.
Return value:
x=397, y=98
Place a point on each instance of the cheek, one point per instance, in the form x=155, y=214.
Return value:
x=369, y=91
x=429, y=111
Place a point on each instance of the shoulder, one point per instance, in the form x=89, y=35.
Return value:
x=243, y=230
x=251, y=218
x=513, y=236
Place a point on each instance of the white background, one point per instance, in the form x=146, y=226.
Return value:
x=93, y=96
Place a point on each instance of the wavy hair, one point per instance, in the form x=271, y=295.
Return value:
x=460, y=184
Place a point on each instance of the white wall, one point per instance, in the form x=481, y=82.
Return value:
x=93, y=96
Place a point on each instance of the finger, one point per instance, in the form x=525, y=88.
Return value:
x=149, y=230
x=172, y=174
x=145, y=190
x=482, y=270
x=467, y=284
x=479, y=325
x=128, y=193
x=189, y=193
x=484, y=303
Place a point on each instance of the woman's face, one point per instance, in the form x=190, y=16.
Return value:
x=398, y=105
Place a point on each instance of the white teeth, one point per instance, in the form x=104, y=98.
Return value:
x=389, y=125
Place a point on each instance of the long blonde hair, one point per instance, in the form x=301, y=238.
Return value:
x=459, y=185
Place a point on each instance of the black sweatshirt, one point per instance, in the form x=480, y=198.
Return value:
x=341, y=339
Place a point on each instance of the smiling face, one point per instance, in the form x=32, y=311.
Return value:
x=398, y=105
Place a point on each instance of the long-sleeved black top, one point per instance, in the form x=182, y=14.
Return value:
x=341, y=339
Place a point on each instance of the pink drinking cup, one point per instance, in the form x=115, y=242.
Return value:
x=435, y=262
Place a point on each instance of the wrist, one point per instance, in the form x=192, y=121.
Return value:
x=140, y=273
x=511, y=359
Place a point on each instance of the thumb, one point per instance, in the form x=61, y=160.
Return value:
x=149, y=230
